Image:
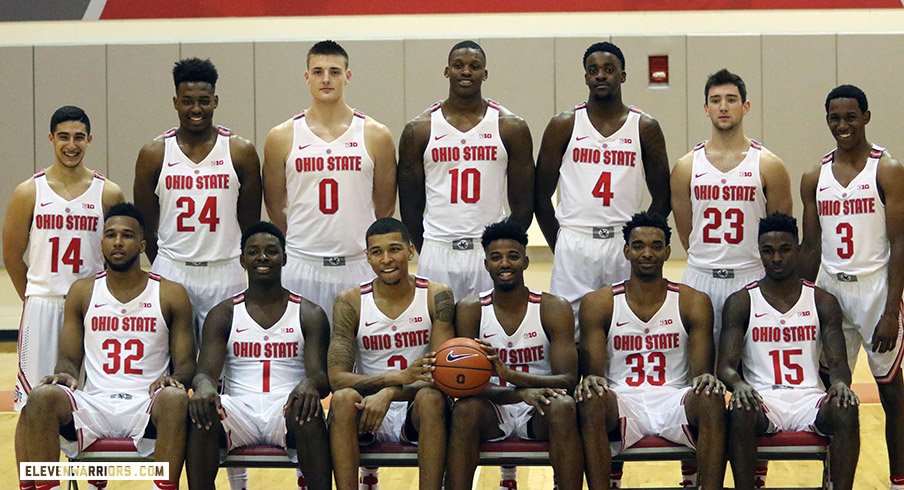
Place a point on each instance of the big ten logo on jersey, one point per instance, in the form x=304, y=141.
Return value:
x=219, y=162
x=88, y=205
x=804, y=313
x=666, y=321
x=486, y=136
x=530, y=335
x=351, y=144
x=145, y=304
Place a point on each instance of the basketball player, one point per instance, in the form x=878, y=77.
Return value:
x=272, y=344
x=458, y=163
x=126, y=328
x=57, y=217
x=604, y=151
x=328, y=172
x=528, y=337
x=198, y=186
x=777, y=328
x=644, y=338
x=381, y=356
x=853, y=225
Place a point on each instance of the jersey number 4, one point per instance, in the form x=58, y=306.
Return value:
x=72, y=256
x=115, y=351
x=207, y=216
x=603, y=188
x=656, y=361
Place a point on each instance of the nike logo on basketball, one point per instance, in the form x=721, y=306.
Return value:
x=451, y=357
x=437, y=138
x=302, y=147
x=697, y=176
x=240, y=330
x=367, y=324
x=488, y=335
x=621, y=324
x=759, y=315
x=172, y=164
x=46, y=203
x=579, y=138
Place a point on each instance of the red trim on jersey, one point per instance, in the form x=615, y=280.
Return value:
x=634, y=109
x=154, y=276
x=298, y=116
x=98, y=175
x=358, y=113
x=822, y=400
x=828, y=157
x=753, y=285
x=72, y=403
x=294, y=298
x=808, y=283
x=582, y=105
x=673, y=286
x=21, y=373
x=492, y=103
x=618, y=288
x=224, y=131
x=153, y=399
x=756, y=144
x=890, y=375
x=39, y=174
x=100, y=275
x=421, y=282
x=534, y=297
x=169, y=133
x=238, y=298
x=367, y=288
x=435, y=106
x=689, y=434
x=25, y=385
x=700, y=145
x=876, y=153
x=486, y=300
x=623, y=428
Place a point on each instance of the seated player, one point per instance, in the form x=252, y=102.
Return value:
x=385, y=334
x=641, y=341
x=271, y=346
x=529, y=337
x=125, y=327
x=774, y=328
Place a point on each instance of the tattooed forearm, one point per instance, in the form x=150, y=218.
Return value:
x=343, y=349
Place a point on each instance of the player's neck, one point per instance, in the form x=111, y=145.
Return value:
x=781, y=293
x=475, y=104
x=856, y=156
x=126, y=285
x=511, y=298
x=394, y=292
x=607, y=108
x=57, y=172
x=330, y=114
x=646, y=285
x=732, y=139
x=266, y=292
x=196, y=138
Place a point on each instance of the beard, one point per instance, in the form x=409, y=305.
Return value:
x=123, y=266
x=507, y=286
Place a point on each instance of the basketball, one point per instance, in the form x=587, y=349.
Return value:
x=462, y=368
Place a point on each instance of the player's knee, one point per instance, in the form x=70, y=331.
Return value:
x=845, y=419
x=466, y=411
x=46, y=399
x=740, y=419
x=561, y=409
x=343, y=402
x=711, y=406
x=592, y=410
x=430, y=402
x=171, y=400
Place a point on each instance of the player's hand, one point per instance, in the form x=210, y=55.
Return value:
x=64, y=379
x=419, y=370
x=707, y=384
x=843, y=394
x=886, y=334
x=163, y=382
x=204, y=407
x=540, y=398
x=304, y=402
x=744, y=397
x=500, y=369
x=589, y=386
x=373, y=410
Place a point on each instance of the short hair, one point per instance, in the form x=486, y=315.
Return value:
x=725, y=77
x=327, y=47
x=778, y=222
x=468, y=44
x=69, y=113
x=264, y=227
x=848, y=92
x=644, y=219
x=128, y=210
x=503, y=230
x=384, y=226
x=605, y=47
x=195, y=70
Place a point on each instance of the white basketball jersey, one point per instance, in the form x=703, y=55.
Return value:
x=465, y=176
x=781, y=350
x=726, y=210
x=260, y=360
x=854, y=237
x=198, y=203
x=527, y=349
x=601, y=180
x=646, y=355
x=330, y=192
x=64, y=240
x=126, y=344
x=387, y=344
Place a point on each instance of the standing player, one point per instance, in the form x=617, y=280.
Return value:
x=57, y=217
x=644, y=338
x=328, y=172
x=777, y=328
x=604, y=152
x=458, y=162
x=272, y=344
x=528, y=336
x=854, y=225
x=125, y=328
x=198, y=186
x=380, y=359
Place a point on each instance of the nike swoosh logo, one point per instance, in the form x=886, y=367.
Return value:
x=436, y=138
x=172, y=164
x=822, y=189
x=759, y=315
x=621, y=324
x=305, y=146
x=697, y=176
x=99, y=305
x=488, y=335
x=579, y=138
x=367, y=324
x=46, y=203
x=451, y=357
x=240, y=330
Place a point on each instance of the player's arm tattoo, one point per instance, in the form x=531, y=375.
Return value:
x=444, y=306
x=342, y=352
